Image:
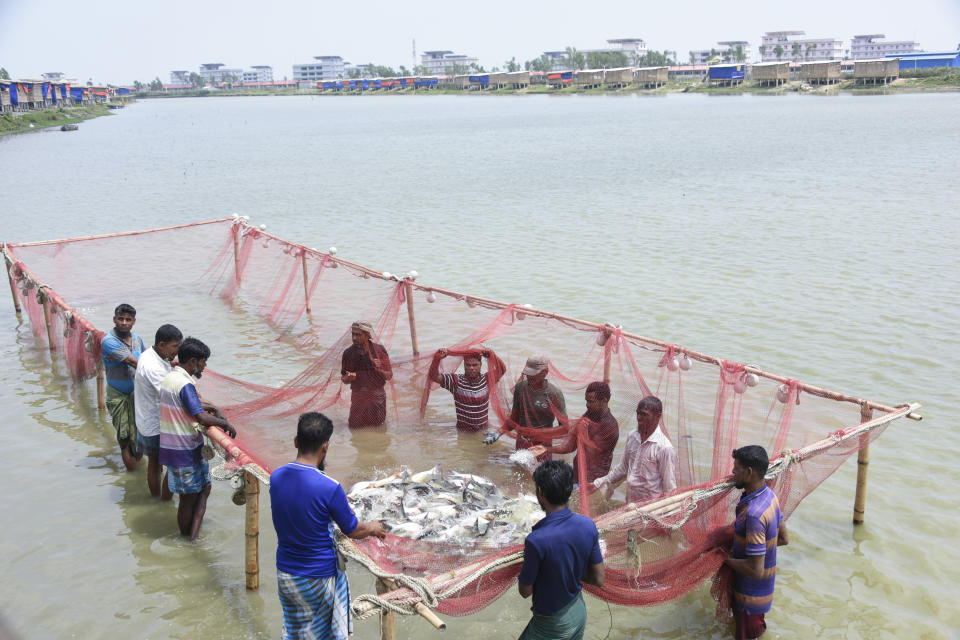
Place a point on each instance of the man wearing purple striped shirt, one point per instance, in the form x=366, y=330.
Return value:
x=758, y=530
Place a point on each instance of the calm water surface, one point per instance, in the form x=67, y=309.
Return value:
x=813, y=236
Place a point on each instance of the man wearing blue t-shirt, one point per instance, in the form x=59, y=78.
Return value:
x=561, y=553
x=306, y=503
x=120, y=350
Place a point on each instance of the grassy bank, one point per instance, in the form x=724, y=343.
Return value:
x=20, y=122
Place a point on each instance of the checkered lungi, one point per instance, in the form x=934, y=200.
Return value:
x=315, y=608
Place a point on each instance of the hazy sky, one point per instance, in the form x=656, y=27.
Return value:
x=120, y=41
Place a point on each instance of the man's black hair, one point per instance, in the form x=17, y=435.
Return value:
x=651, y=402
x=473, y=356
x=753, y=456
x=313, y=429
x=167, y=333
x=554, y=478
x=125, y=309
x=600, y=389
x=192, y=348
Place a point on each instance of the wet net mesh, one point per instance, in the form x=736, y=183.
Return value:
x=284, y=311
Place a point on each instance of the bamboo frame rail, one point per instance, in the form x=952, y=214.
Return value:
x=863, y=465
x=306, y=282
x=13, y=288
x=47, y=319
x=408, y=290
x=119, y=234
x=251, y=490
x=663, y=507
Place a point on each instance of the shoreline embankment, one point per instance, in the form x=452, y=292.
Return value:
x=27, y=121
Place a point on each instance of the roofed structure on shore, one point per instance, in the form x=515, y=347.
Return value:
x=619, y=77
x=589, y=78
x=652, y=77
x=771, y=74
x=879, y=71
x=826, y=72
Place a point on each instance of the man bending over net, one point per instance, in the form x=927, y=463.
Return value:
x=560, y=554
x=366, y=368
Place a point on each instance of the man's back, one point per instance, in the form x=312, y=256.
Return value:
x=305, y=504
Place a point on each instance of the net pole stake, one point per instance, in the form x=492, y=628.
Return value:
x=388, y=620
x=863, y=466
x=306, y=280
x=49, y=322
x=101, y=387
x=13, y=287
x=408, y=286
x=236, y=254
x=251, y=489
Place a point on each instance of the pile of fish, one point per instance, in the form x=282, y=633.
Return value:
x=445, y=506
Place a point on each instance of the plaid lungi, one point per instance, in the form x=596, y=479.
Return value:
x=368, y=408
x=315, y=608
x=120, y=406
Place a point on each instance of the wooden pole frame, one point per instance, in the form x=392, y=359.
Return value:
x=101, y=386
x=251, y=490
x=13, y=287
x=388, y=619
x=408, y=289
x=48, y=319
x=863, y=466
x=306, y=281
x=236, y=253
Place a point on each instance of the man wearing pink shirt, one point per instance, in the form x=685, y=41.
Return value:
x=649, y=460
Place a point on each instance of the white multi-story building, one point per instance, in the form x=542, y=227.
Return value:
x=180, y=76
x=778, y=46
x=731, y=51
x=258, y=73
x=867, y=47
x=325, y=68
x=635, y=48
x=216, y=72
x=438, y=63
x=53, y=76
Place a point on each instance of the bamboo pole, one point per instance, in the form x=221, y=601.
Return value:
x=101, y=387
x=48, y=320
x=117, y=235
x=251, y=489
x=388, y=620
x=408, y=285
x=306, y=280
x=236, y=254
x=863, y=466
x=13, y=287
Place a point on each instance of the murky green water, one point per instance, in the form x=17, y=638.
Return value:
x=814, y=236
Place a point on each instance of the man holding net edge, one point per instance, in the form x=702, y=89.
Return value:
x=536, y=403
x=366, y=368
x=471, y=391
x=561, y=553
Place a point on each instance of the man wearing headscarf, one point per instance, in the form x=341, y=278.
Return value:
x=366, y=368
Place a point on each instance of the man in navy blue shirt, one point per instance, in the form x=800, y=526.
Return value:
x=561, y=553
x=306, y=503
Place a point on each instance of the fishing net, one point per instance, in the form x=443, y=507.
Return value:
x=280, y=314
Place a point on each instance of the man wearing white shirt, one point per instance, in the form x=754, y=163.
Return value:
x=152, y=367
x=649, y=460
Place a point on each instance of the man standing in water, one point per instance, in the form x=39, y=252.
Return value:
x=758, y=530
x=649, y=459
x=471, y=391
x=560, y=554
x=598, y=430
x=305, y=503
x=120, y=350
x=536, y=403
x=182, y=418
x=152, y=367
x=366, y=368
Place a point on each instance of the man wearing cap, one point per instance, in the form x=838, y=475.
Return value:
x=536, y=403
x=366, y=368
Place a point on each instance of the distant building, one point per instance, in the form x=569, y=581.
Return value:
x=558, y=60
x=928, y=60
x=325, y=68
x=53, y=76
x=439, y=63
x=217, y=72
x=799, y=49
x=179, y=77
x=869, y=46
x=728, y=51
x=634, y=48
x=258, y=73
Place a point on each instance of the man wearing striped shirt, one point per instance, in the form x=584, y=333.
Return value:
x=758, y=530
x=471, y=391
x=183, y=420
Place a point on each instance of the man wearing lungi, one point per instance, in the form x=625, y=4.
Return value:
x=120, y=350
x=306, y=503
x=366, y=368
x=561, y=553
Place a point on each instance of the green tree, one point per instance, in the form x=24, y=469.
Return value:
x=156, y=84
x=693, y=58
x=456, y=69
x=196, y=80
x=574, y=59
x=420, y=70
x=511, y=65
x=795, y=49
x=763, y=50
x=138, y=86
x=403, y=71
x=779, y=51
x=606, y=60
x=739, y=54
x=3, y=74
x=543, y=63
